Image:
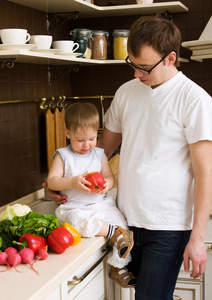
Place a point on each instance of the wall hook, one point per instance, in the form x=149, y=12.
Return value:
x=42, y=105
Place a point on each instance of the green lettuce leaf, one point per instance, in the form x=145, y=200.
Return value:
x=8, y=214
x=33, y=223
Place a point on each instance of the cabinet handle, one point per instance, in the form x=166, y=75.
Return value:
x=209, y=247
x=80, y=279
x=177, y=297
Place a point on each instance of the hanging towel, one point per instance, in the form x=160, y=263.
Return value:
x=50, y=136
x=60, y=136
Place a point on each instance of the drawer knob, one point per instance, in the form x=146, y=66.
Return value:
x=80, y=279
x=209, y=247
x=75, y=281
x=177, y=297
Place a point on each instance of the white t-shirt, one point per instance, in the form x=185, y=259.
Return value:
x=155, y=182
x=76, y=165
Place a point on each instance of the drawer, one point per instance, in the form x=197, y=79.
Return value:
x=208, y=235
x=188, y=291
x=186, y=275
x=92, y=287
x=88, y=281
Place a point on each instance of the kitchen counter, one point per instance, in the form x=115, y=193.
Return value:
x=28, y=285
x=52, y=272
x=56, y=268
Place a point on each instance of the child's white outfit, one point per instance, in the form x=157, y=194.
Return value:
x=86, y=212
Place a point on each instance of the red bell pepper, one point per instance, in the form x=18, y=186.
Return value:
x=60, y=239
x=32, y=241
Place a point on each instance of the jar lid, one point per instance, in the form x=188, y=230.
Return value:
x=100, y=32
x=80, y=30
x=124, y=32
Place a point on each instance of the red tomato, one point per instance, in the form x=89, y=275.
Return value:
x=97, y=182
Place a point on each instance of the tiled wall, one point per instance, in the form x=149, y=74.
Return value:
x=101, y=79
x=22, y=134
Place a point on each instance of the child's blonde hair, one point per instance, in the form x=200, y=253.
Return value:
x=81, y=115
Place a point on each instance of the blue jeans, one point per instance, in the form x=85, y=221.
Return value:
x=157, y=257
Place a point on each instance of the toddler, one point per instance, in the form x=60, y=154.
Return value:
x=92, y=214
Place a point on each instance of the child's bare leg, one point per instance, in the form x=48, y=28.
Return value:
x=104, y=230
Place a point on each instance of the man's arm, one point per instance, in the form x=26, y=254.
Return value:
x=201, y=158
x=55, y=196
x=109, y=141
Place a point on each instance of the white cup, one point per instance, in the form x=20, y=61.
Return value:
x=65, y=46
x=14, y=36
x=41, y=41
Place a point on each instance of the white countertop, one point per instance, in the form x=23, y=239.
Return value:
x=52, y=271
x=55, y=269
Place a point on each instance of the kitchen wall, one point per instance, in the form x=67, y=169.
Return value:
x=22, y=134
x=100, y=79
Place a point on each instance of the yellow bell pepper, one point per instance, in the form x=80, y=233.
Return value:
x=74, y=232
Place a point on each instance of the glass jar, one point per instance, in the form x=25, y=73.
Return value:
x=99, y=44
x=88, y=52
x=120, y=37
x=83, y=37
x=108, y=43
x=77, y=33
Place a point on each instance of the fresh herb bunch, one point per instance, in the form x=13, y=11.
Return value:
x=6, y=237
x=33, y=223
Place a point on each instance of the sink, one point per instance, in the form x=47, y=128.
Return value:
x=44, y=207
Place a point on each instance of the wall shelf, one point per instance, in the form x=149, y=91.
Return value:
x=201, y=57
x=31, y=57
x=88, y=10
x=201, y=48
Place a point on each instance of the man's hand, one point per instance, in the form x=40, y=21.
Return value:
x=54, y=196
x=196, y=253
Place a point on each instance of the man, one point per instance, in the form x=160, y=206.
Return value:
x=163, y=121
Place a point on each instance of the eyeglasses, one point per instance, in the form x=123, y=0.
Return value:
x=127, y=60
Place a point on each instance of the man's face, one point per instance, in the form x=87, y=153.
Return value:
x=147, y=59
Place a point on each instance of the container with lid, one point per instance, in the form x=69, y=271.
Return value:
x=120, y=37
x=83, y=37
x=99, y=44
x=79, y=33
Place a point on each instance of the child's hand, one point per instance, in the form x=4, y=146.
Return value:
x=105, y=190
x=78, y=182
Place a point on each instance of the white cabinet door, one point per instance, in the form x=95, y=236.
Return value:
x=88, y=282
x=54, y=295
x=208, y=273
x=91, y=288
x=188, y=291
x=124, y=294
